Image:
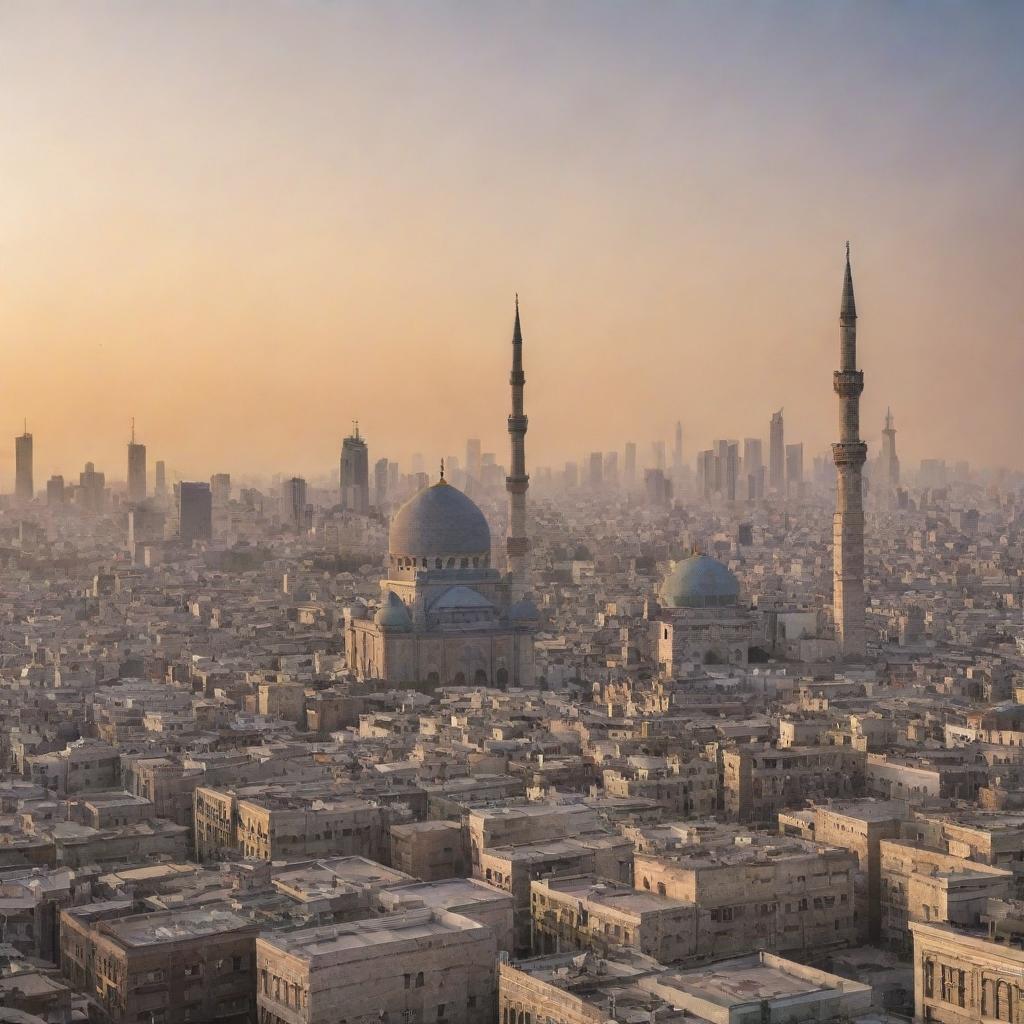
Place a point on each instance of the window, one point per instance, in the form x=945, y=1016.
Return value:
x=954, y=986
x=419, y=980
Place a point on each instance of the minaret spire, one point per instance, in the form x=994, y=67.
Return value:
x=517, y=544
x=849, y=453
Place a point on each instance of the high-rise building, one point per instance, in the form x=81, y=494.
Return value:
x=55, y=490
x=794, y=469
x=294, y=503
x=677, y=449
x=657, y=488
x=888, y=462
x=611, y=470
x=92, y=489
x=595, y=474
x=849, y=454
x=136, y=469
x=220, y=489
x=753, y=455
x=195, y=512
x=707, y=471
x=571, y=476
x=658, y=454
x=776, y=454
x=732, y=470
x=23, y=486
x=355, y=473
x=380, y=482
x=161, y=479
x=517, y=544
x=472, y=464
x=630, y=467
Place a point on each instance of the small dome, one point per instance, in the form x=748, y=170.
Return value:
x=699, y=582
x=393, y=614
x=461, y=598
x=439, y=521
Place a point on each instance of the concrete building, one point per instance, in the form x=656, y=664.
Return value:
x=355, y=473
x=849, y=454
x=418, y=966
x=169, y=967
x=195, y=512
x=776, y=454
x=430, y=850
x=24, y=489
x=293, y=501
x=136, y=469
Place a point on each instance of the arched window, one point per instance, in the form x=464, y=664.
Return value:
x=480, y=677
x=459, y=680
x=501, y=678
x=1004, y=1001
x=437, y=563
x=451, y=563
x=464, y=564
x=424, y=563
x=476, y=561
x=419, y=980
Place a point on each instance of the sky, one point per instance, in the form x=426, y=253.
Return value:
x=248, y=223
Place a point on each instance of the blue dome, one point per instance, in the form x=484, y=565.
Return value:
x=523, y=610
x=699, y=582
x=393, y=614
x=439, y=521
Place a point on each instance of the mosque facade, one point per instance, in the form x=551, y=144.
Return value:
x=447, y=617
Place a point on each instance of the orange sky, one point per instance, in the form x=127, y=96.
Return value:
x=248, y=223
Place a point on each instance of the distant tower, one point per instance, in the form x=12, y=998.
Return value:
x=776, y=454
x=136, y=469
x=23, y=488
x=630, y=464
x=849, y=454
x=677, y=449
x=294, y=501
x=161, y=478
x=195, y=512
x=517, y=483
x=889, y=463
x=355, y=473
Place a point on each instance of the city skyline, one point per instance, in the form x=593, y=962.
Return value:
x=247, y=237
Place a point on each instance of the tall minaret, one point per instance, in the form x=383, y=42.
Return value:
x=517, y=482
x=849, y=453
x=890, y=463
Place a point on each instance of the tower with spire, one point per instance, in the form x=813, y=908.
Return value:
x=889, y=462
x=136, y=469
x=517, y=544
x=23, y=485
x=849, y=454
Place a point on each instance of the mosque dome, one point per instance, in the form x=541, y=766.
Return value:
x=699, y=582
x=393, y=614
x=438, y=522
x=523, y=610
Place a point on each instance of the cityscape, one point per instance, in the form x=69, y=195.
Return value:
x=601, y=702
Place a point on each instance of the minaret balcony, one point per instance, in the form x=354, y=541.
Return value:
x=849, y=453
x=848, y=383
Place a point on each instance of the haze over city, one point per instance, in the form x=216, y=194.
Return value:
x=247, y=225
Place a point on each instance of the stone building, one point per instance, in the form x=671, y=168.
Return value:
x=168, y=967
x=430, y=850
x=422, y=965
x=699, y=618
x=446, y=616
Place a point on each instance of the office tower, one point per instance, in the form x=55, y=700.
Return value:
x=657, y=488
x=795, y=469
x=472, y=463
x=355, y=473
x=380, y=482
x=394, y=478
x=517, y=544
x=294, y=503
x=611, y=470
x=889, y=463
x=220, y=489
x=732, y=470
x=630, y=464
x=136, y=469
x=707, y=470
x=849, y=454
x=55, y=490
x=571, y=476
x=776, y=454
x=92, y=489
x=753, y=457
x=595, y=475
x=677, y=449
x=161, y=479
x=195, y=512
x=23, y=487
x=658, y=454
x=721, y=465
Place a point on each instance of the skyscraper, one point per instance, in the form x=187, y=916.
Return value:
x=794, y=469
x=136, y=469
x=355, y=473
x=380, y=482
x=517, y=482
x=220, y=489
x=161, y=479
x=195, y=512
x=595, y=472
x=677, y=449
x=888, y=462
x=294, y=503
x=776, y=454
x=849, y=454
x=23, y=487
x=630, y=469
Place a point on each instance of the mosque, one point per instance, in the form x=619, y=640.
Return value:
x=447, y=617
x=698, y=617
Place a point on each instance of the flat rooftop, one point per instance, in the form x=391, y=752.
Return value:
x=173, y=925
x=741, y=981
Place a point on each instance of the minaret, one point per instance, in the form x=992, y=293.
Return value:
x=890, y=460
x=517, y=482
x=849, y=453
